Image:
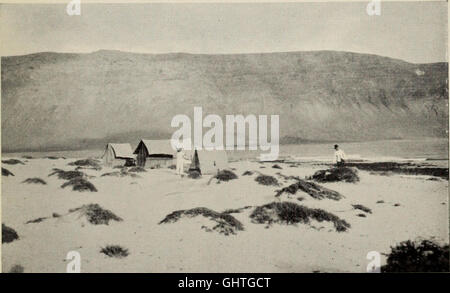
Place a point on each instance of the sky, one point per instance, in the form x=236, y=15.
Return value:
x=412, y=31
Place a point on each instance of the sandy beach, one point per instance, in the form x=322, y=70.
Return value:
x=403, y=207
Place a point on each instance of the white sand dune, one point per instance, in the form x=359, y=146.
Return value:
x=185, y=247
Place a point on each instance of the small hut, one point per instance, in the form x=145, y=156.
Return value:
x=118, y=154
x=154, y=153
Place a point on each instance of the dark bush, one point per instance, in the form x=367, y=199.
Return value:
x=314, y=190
x=96, y=215
x=267, y=180
x=115, y=251
x=194, y=174
x=292, y=213
x=340, y=174
x=34, y=180
x=6, y=172
x=67, y=175
x=80, y=184
x=247, y=173
x=13, y=162
x=424, y=256
x=362, y=208
x=276, y=166
x=225, y=175
x=226, y=223
x=8, y=234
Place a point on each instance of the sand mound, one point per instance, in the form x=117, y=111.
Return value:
x=311, y=188
x=8, y=234
x=424, y=256
x=67, y=175
x=95, y=214
x=362, y=208
x=6, y=172
x=80, y=184
x=121, y=173
x=340, y=174
x=292, y=213
x=225, y=175
x=137, y=169
x=34, y=180
x=267, y=180
x=115, y=251
x=13, y=162
x=226, y=223
x=194, y=174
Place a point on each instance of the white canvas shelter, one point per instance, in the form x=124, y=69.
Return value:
x=210, y=161
x=116, y=154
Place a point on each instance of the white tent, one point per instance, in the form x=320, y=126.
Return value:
x=116, y=154
x=210, y=161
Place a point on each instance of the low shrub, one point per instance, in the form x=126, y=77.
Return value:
x=339, y=174
x=267, y=180
x=417, y=256
x=96, y=215
x=67, y=175
x=115, y=251
x=225, y=175
x=80, y=184
x=34, y=180
x=292, y=213
x=8, y=234
x=6, y=172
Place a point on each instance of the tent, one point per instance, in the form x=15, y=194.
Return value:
x=154, y=153
x=208, y=161
x=117, y=154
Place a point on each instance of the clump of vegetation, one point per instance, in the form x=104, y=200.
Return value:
x=380, y=201
x=401, y=168
x=80, y=184
x=267, y=180
x=194, y=174
x=34, y=180
x=247, y=173
x=6, y=172
x=121, y=173
x=396, y=205
x=67, y=175
x=115, y=251
x=38, y=220
x=52, y=158
x=8, y=234
x=13, y=162
x=226, y=223
x=340, y=174
x=96, y=215
x=56, y=215
x=276, y=166
x=414, y=256
x=16, y=269
x=362, y=208
x=361, y=215
x=292, y=213
x=137, y=169
x=314, y=190
x=235, y=211
x=225, y=175
x=86, y=163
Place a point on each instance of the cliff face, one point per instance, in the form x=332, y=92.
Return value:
x=76, y=100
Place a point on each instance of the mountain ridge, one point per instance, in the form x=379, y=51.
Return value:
x=62, y=99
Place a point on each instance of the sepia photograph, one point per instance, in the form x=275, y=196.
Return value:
x=297, y=137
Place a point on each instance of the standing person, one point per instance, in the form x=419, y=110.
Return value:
x=180, y=161
x=339, y=156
